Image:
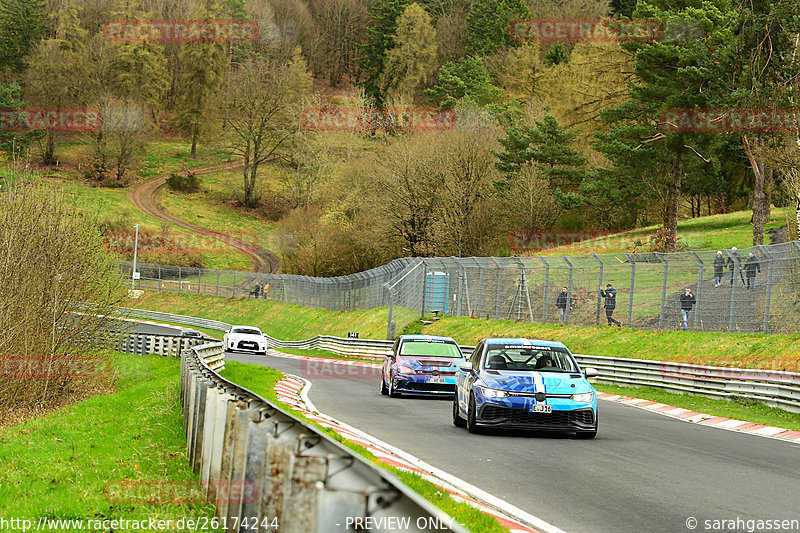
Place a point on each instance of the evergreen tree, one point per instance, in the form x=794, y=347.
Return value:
x=14, y=141
x=22, y=26
x=489, y=23
x=464, y=81
x=411, y=63
x=384, y=15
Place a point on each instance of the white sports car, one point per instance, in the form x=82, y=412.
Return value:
x=245, y=339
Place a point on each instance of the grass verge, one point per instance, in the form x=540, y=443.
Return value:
x=739, y=409
x=60, y=466
x=262, y=380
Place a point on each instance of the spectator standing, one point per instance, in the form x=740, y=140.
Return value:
x=610, y=294
x=732, y=262
x=561, y=303
x=719, y=268
x=256, y=291
x=687, y=302
x=750, y=267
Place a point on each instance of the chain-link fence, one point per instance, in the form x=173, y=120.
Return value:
x=758, y=293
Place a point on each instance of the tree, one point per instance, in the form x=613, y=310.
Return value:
x=264, y=101
x=463, y=81
x=22, y=25
x=13, y=141
x=759, y=70
x=57, y=75
x=340, y=25
x=202, y=74
x=412, y=61
x=384, y=15
x=529, y=202
x=139, y=74
x=488, y=24
x=549, y=145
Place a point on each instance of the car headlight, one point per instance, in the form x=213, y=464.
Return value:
x=493, y=393
x=403, y=369
x=586, y=397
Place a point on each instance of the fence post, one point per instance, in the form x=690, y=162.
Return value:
x=699, y=289
x=424, y=285
x=234, y=284
x=771, y=259
x=633, y=282
x=546, y=283
x=480, y=287
x=663, y=291
x=389, y=325
x=732, y=318
x=499, y=287
x=569, y=291
x=599, y=288
x=159, y=277
x=216, y=293
x=199, y=277
x=180, y=280
x=460, y=289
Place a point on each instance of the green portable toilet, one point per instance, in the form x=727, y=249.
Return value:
x=437, y=292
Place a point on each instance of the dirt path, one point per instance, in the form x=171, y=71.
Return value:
x=144, y=196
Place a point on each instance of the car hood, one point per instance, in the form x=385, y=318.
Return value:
x=246, y=337
x=532, y=381
x=428, y=361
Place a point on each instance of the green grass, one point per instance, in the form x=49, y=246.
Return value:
x=739, y=409
x=261, y=380
x=60, y=465
x=279, y=320
x=713, y=232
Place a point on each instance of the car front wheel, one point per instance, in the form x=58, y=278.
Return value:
x=384, y=388
x=392, y=393
x=472, y=422
x=458, y=420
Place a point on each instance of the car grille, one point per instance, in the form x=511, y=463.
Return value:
x=494, y=413
x=425, y=387
x=247, y=345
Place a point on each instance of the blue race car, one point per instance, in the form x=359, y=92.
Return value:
x=421, y=364
x=525, y=384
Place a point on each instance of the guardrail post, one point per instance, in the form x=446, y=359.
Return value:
x=663, y=292
x=546, y=283
x=699, y=290
x=768, y=297
x=569, y=291
x=633, y=282
x=599, y=289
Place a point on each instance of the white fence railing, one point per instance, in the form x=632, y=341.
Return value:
x=284, y=468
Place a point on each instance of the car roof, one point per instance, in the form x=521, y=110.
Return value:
x=426, y=338
x=524, y=342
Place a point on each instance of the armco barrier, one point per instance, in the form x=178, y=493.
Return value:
x=169, y=346
x=779, y=389
x=168, y=317
x=294, y=473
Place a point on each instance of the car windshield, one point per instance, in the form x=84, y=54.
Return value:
x=434, y=348
x=246, y=331
x=518, y=357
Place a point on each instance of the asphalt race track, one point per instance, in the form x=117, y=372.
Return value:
x=644, y=471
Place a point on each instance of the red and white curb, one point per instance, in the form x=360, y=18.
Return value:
x=704, y=419
x=293, y=391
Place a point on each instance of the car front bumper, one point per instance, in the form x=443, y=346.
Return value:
x=423, y=384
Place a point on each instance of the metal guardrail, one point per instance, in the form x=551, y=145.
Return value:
x=168, y=317
x=293, y=472
x=775, y=388
x=169, y=346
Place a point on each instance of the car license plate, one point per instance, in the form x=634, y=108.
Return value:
x=436, y=379
x=541, y=408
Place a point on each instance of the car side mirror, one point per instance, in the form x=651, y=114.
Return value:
x=465, y=366
x=590, y=372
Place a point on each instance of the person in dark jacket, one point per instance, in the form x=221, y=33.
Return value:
x=750, y=267
x=561, y=303
x=719, y=268
x=732, y=261
x=610, y=294
x=687, y=302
